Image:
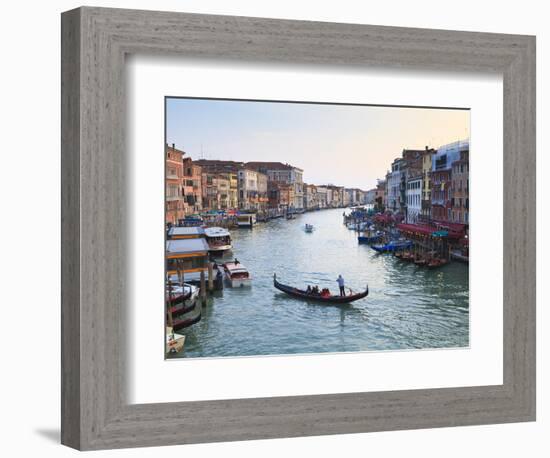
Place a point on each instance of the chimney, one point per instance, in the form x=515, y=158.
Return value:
x=173, y=146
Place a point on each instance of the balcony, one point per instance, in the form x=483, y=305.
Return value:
x=173, y=198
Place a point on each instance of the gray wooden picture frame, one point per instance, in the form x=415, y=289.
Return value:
x=95, y=412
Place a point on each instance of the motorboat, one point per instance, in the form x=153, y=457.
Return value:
x=237, y=274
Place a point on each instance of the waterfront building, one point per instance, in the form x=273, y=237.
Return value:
x=411, y=166
x=192, y=188
x=222, y=188
x=283, y=173
x=175, y=201
x=248, y=189
x=281, y=195
x=210, y=199
x=387, y=191
x=426, y=210
x=414, y=199
x=394, y=186
x=227, y=170
x=263, y=198
x=361, y=197
x=460, y=189
x=322, y=201
x=347, y=197
x=441, y=195
x=310, y=197
x=370, y=197
x=335, y=196
x=380, y=200
x=232, y=189
x=441, y=182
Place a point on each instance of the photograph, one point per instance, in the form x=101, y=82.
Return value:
x=296, y=228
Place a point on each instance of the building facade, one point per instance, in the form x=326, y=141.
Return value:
x=414, y=199
x=426, y=211
x=286, y=174
x=322, y=196
x=310, y=197
x=460, y=189
x=441, y=179
x=248, y=189
x=192, y=189
x=394, y=186
x=175, y=201
x=380, y=196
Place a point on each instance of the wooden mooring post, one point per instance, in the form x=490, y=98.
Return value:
x=203, y=288
x=210, y=277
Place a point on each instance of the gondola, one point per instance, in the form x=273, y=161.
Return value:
x=301, y=294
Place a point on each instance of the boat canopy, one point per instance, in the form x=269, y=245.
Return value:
x=189, y=232
x=216, y=232
x=182, y=247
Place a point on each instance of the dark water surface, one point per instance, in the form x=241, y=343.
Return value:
x=408, y=307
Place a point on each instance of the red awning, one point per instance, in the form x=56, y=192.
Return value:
x=416, y=228
x=456, y=230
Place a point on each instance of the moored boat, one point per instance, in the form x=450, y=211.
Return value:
x=393, y=245
x=236, y=274
x=174, y=342
x=302, y=294
x=246, y=220
x=176, y=294
x=186, y=311
x=218, y=239
x=436, y=262
x=421, y=261
x=369, y=239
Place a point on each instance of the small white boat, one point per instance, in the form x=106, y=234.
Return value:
x=174, y=342
x=237, y=274
x=218, y=238
x=309, y=228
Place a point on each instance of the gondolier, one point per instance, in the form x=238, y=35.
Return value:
x=340, y=281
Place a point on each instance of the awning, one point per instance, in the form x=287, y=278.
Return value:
x=417, y=229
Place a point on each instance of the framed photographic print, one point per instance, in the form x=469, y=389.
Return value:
x=286, y=228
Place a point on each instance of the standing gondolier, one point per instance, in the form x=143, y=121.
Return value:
x=340, y=281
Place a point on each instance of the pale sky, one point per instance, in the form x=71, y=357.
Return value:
x=344, y=145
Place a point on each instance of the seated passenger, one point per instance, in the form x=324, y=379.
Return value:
x=308, y=290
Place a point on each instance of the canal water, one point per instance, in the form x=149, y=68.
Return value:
x=408, y=307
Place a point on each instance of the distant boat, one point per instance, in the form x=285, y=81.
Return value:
x=290, y=216
x=237, y=274
x=302, y=294
x=394, y=245
x=309, y=228
x=218, y=238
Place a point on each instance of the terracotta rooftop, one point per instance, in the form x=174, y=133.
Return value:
x=270, y=166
